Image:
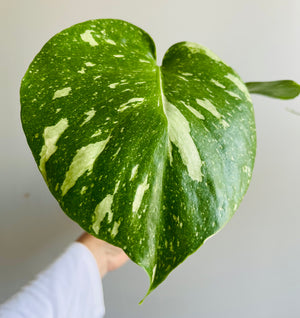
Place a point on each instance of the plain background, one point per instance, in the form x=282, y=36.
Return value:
x=252, y=267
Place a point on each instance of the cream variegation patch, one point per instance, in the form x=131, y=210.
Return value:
x=51, y=135
x=82, y=162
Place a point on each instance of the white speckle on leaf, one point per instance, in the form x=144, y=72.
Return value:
x=90, y=114
x=82, y=71
x=134, y=172
x=113, y=85
x=89, y=64
x=144, y=61
x=109, y=41
x=51, y=135
x=136, y=101
x=103, y=208
x=232, y=94
x=62, y=92
x=240, y=85
x=224, y=124
x=115, y=229
x=217, y=83
x=97, y=133
x=82, y=162
x=205, y=103
x=140, y=191
x=118, y=55
x=87, y=37
x=193, y=110
x=116, y=153
x=247, y=170
x=117, y=187
x=183, y=78
x=83, y=190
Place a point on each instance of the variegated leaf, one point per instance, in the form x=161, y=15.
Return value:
x=151, y=159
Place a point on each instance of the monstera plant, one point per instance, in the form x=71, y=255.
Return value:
x=152, y=159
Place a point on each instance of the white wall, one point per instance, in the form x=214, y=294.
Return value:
x=252, y=267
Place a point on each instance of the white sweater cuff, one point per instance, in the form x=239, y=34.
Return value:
x=70, y=287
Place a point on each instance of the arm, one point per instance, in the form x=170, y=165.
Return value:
x=71, y=286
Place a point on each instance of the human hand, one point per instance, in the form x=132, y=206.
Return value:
x=108, y=257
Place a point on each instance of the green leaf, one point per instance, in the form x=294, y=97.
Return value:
x=285, y=89
x=151, y=159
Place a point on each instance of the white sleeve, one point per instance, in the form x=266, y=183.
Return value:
x=69, y=288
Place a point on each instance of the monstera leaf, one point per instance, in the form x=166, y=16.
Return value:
x=153, y=159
